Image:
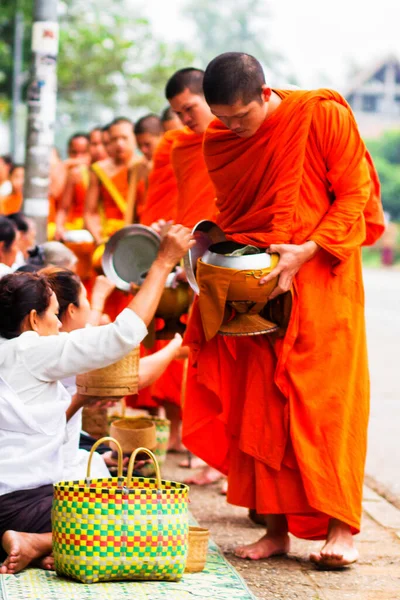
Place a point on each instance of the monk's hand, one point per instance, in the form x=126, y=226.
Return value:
x=291, y=259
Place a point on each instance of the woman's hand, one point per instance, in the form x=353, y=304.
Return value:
x=175, y=244
x=102, y=289
x=292, y=257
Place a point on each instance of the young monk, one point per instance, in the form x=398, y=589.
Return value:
x=96, y=147
x=71, y=207
x=108, y=205
x=106, y=139
x=148, y=133
x=289, y=416
x=170, y=120
x=13, y=202
x=196, y=194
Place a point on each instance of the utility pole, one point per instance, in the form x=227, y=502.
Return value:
x=17, y=81
x=41, y=100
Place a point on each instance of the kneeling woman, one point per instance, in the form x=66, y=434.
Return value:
x=34, y=358
x=75, y=313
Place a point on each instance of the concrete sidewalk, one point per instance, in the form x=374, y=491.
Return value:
x=375, y=577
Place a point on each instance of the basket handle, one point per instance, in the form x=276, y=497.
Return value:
x=132, y=464
x=96, y=445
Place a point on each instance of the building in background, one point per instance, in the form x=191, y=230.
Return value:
x=374, y=96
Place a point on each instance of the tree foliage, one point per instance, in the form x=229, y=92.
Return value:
x=386, y=154
x=108, y=56
x=233, y=26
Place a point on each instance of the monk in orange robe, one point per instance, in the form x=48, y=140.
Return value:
x=196, y=194
x=161, y=204
x=170, y=120
x=109, y=203
x=286, y=418
x=162, y=192
x=13, y=202
x=71, y=207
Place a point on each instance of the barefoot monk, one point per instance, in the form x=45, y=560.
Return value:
x=286, y=418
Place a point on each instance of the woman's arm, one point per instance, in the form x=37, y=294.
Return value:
x=52, y=358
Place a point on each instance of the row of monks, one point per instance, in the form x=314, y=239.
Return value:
x=286, y=419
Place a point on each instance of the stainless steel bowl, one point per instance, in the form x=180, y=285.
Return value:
x=128, y=254
x=205, y=233
x=216, y=255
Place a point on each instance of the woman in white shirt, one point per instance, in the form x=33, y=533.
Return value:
x=34, y=358
x=75, y=313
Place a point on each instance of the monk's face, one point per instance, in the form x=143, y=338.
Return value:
x=172, y=124
x=79, y=149
x=96, y=148
x=147, y=143
x=123, y=143
x=192, y=110
x=243, y=119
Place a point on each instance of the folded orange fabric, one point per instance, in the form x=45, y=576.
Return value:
x=196, y=194
x=162, y=192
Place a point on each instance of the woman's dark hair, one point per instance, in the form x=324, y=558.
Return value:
x=19, y=294
x=65, y=284
x=20, y=221
x=8, y=232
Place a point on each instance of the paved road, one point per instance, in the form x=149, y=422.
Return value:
x=382, y=287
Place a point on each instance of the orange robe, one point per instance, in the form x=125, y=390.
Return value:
x=196, y=193
x=287, y=421
x=77, y=208
x=162, y=192
x=11, y=204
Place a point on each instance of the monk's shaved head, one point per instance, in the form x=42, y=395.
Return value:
x=231, y=77
x=186, y=79
x=149, y=124
x=120, y=121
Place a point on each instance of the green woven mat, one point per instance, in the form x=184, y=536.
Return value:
x=219, y=581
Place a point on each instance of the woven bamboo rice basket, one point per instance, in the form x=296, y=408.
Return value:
x=134, y=433
x=198, y=548
x=118, y=379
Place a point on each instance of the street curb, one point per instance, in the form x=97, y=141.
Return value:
x=381, y=511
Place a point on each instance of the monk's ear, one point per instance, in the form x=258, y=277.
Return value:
x=266, y=93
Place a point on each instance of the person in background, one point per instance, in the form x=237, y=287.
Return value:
x=170, y=120
x=148, y=133
x=26, y=239
x=5, y=168
x=13, y=202
x=96, y=146
x=8, y=245
x=72, y=202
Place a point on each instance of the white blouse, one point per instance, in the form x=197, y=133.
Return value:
x=33, y=424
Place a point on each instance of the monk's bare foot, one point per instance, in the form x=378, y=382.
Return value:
x=256, y=517
x=22, y=549
x=194, y=462
x=224, y=487
x=205, y=477
x=269, y=545
x=339, y=550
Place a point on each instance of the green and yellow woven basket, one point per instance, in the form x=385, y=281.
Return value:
x=120, y=528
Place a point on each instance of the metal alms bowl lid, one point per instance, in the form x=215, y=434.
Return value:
x=128, y=253
x=218, y=255
x=206, y=233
